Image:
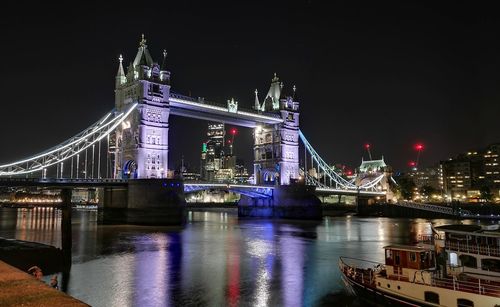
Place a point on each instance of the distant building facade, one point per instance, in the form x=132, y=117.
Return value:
x=218, y=163
x=468, y=174
x=428, y=177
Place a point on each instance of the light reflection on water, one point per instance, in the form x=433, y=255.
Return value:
x=214, y=260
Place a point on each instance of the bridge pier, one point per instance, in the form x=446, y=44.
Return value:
x=288, y=202
x=66, y=230
x=144, y=202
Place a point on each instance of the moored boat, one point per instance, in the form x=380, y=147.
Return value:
x=460, y=268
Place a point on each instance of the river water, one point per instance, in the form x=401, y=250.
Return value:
x=215, y=259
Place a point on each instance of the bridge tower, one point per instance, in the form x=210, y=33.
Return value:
x=141, y=141
x=276, y=147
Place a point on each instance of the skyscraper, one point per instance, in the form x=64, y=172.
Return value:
x=212, y=156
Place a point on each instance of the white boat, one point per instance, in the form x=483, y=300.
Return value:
x=460, y=268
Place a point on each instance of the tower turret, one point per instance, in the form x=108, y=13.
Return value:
x=276, y=147
x=142, y=142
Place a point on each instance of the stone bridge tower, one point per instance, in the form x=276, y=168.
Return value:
x=276, y=147
x=141, y=141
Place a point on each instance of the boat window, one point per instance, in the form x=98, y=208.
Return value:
x=396, y=258
x=388, y=253
x=413, y=256
x=453, y=259
x=468, y=261
x=431, y=297
x=490, y=265
x=462, y=302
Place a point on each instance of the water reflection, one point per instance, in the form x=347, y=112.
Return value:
x=214, y=260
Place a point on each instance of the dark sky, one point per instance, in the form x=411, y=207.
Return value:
x=386, y=73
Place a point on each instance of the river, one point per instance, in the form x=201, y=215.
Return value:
x=216, y=259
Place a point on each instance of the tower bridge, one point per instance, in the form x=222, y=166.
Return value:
x=130, y=144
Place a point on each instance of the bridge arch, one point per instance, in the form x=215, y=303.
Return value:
x=130, y=169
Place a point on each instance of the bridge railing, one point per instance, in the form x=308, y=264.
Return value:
x=433, y=208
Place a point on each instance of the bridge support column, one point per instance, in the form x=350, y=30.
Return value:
x=145, y=202
x=288, y=202
x=66, y=231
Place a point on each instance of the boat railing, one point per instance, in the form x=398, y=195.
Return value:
x=485, y=250
x=365, y=272
x=429, y=239
x=360, y=270
x=479, y=286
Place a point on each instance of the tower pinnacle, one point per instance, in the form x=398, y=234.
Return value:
x=143, y=57
x=275, y=78
x=120, y=75
x=142, y=43
x=257, y=102
x=164, y=61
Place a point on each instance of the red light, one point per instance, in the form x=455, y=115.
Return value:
x=233, y=131
x=367, y=146
x=229, y=141
x=349, y=173
x=419, y=147
x=412, y=163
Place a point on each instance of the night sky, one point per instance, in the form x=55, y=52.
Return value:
x=390, y=74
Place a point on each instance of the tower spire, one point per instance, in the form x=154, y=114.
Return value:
x=257, y=103
x=143, y=57
x=120, y=75
x=142, y=43
x=164, y=62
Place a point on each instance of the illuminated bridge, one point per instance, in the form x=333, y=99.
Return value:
x=131, y=141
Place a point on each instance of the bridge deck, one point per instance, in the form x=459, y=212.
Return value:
x=64, y=182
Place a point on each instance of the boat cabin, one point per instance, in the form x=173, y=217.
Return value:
x=472, y=248
x=410, y=257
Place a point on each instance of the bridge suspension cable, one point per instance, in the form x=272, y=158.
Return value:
x=335, y=180
x=69, y=148
x=328, y=172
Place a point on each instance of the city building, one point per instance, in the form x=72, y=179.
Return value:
x=218, y=162
x=212, y=154
x=428, y=177
x=473, y=176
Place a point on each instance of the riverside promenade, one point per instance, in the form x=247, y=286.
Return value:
x=21, y=289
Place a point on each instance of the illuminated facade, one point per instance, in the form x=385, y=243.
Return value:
x=276, y=147
x=212, y=155
x=142, y=140
x=466, y=175
x=429, y=176
x=218, y=164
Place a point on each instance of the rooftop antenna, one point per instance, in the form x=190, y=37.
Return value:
x=367, y=147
